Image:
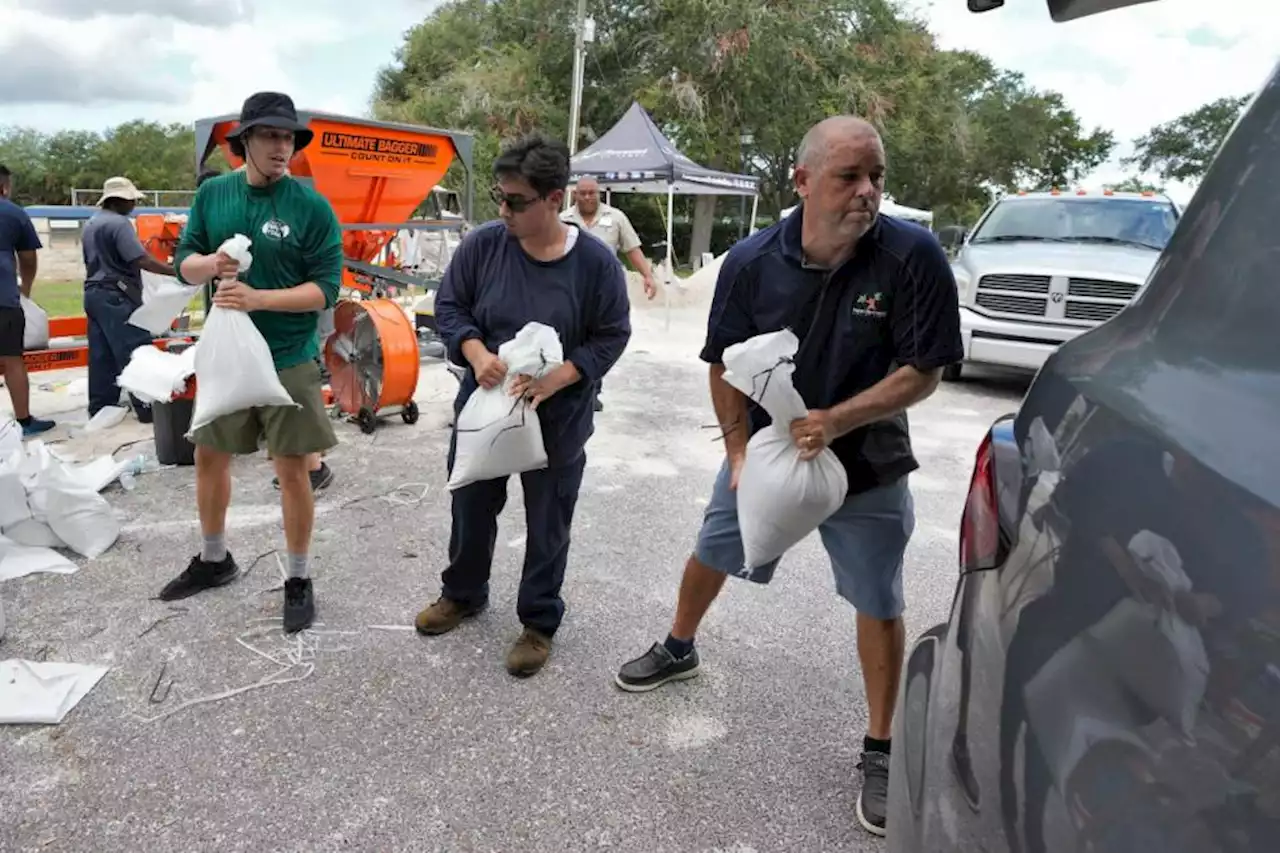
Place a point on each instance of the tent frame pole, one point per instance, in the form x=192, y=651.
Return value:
x=670, y=272
x=755, y=205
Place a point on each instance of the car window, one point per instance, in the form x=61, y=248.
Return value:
x=1149, y=222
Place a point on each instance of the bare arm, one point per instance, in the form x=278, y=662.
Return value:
x=731, y=413
x=150, y=264
x=897, y=392
x=27, y=265
x=640, y=262
x=299, y=299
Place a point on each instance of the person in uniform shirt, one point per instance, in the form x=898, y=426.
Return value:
x=614, y=229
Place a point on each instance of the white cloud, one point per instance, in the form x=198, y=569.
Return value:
x=1129, y=69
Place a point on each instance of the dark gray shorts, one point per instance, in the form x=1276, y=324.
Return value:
x=866, y=539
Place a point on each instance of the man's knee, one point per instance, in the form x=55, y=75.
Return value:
x=293, y=469
x=211, y=459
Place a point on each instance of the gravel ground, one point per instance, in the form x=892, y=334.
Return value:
x=398, y=742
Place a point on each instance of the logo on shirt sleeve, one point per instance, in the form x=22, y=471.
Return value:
x=870, y=305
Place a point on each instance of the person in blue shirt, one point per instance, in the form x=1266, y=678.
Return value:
x=114, y=258
x=18, y=246
x=527, y=267
x=875, y=305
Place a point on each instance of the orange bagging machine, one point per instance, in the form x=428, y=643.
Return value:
x=376, y=175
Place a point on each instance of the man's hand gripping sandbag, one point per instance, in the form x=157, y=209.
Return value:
x=781, y=497
x=234, y=369
x=497, y=434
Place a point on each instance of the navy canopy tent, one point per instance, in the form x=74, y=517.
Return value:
x=634, y=156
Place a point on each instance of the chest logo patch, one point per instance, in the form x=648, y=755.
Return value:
x=275, y=229
x=870, y=305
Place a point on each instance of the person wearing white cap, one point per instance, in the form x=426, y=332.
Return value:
x=113, y=260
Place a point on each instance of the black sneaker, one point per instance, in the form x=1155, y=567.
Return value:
x=655, y=668
x=36, y=426
x=199, y=576
x=299, y=604
x=873, y=799
x=321, y=478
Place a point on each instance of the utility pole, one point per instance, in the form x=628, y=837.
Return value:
x=579, y=55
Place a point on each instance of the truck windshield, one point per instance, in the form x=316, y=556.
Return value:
x=1123, y=221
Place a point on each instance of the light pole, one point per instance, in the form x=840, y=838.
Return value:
x=744, y=142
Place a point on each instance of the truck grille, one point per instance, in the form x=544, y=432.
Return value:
x=1086, y=300
x=1012, y=304
x=1101, y=289
x=1023, y=283
x=1094, y=312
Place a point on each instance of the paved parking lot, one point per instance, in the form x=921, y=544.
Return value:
x=398, y=742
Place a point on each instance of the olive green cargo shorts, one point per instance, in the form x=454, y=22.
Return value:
x=288, y=431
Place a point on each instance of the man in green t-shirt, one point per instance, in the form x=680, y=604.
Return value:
x=295, y=275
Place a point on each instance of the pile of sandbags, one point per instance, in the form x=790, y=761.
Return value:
x=46, y=504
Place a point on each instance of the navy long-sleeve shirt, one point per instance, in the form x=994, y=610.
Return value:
x=493, y=288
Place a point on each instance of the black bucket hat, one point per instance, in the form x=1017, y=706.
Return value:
x=272, y=109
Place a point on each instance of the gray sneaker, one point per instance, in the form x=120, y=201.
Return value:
x=873, y=799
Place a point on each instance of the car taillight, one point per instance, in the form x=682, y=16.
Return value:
x=980, y=525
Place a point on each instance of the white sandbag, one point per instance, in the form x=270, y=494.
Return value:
x=156, y=376
x=106, y=418
x=80, y=517
x=164, y=298
x=17, y=561
x=36, y=333
x=234, y=370
x=33, y=533
x=13, y=494
x=10, y=437
x=781, y=498
x=499, y=435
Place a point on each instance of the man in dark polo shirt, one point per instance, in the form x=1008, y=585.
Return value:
x=875, y=304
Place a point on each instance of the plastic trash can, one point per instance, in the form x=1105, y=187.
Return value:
x=170, y=424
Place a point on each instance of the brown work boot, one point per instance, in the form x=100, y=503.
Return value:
x=529, y=653
x=443, y=616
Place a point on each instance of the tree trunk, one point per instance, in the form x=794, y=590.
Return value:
x=704, y=214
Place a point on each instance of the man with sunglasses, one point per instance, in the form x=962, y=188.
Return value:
x=527, y=267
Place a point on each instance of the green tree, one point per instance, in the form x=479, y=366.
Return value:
x=1182, y=149
x=1135, y=184
x=957, y=129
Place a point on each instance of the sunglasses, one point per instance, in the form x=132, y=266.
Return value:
x=517, y=203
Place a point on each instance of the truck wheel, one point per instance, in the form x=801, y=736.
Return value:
x=951, y=373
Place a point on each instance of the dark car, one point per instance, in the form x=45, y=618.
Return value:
x=1109, y=677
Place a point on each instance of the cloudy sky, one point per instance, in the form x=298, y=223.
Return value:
x=94, y=63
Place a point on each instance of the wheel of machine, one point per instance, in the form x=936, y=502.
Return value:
x=367, y=420
x=372, y=356
x=951, y=373
x=410, y=413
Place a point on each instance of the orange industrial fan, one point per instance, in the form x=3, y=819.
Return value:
x=372, y=359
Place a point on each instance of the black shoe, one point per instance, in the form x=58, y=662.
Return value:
x=655, y=668
x=299, y=604
x=321, y=478
x=597, y=405
x=199, y=576
x=874, y=797
x=36, y=426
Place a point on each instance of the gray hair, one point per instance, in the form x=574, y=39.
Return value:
x=816, y=143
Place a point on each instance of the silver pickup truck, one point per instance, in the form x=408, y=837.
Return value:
x=1041, y=268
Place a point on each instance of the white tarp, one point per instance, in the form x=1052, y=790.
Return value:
x=43, y=692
